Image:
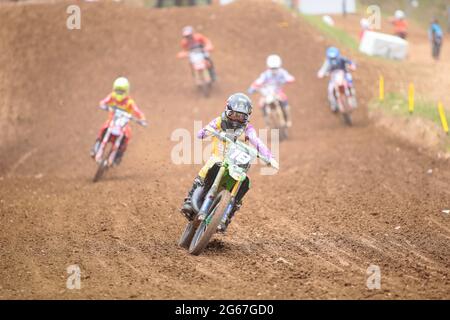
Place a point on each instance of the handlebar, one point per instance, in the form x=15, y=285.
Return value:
x=225, y=138
x=125, y=114
x=200, y=49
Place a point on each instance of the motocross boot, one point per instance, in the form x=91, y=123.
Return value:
x=334, y=107
x=118, y=158
x=212, y=71
x=94, y=148
x=222, y=228
x=187, y=210
x=353, y=100
x=287, y=115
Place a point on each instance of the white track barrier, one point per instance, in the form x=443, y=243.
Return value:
x=384, y=45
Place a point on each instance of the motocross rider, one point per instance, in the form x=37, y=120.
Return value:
x=121, y=99
x=277, y=76
x=234, y=122
x=192, y=40
x=334, y=61
x=400, y=24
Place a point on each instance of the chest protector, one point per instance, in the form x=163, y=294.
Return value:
x=218, y=147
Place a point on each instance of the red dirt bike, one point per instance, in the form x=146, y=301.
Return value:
x=344, y=95
x=200, y=66
x=106, y=153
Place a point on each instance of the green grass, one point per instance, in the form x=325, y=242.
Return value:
x=336, y=34
x=397, y=104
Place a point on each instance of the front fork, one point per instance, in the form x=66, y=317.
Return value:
x=115, y=149
x=230, y=205
x=342, y=97
x=101, y=150
x=212, y=193
x=99, y=155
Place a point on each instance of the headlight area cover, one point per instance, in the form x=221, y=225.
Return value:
x=237, y=173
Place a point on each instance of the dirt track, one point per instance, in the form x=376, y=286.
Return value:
x=333, y=209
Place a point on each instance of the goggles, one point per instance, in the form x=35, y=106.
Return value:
x=120, y=92
x=236, y=116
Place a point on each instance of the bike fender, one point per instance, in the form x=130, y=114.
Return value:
x=196, y=201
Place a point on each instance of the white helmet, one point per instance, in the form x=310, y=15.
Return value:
x=273, y=61
x=365, y=24
x=187, y=31
x=399, y=14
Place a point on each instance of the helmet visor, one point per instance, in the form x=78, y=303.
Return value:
x=237, y=116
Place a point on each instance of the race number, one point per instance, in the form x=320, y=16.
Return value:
x=240, y=157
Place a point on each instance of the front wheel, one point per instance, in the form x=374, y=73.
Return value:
x=208, y=227
x=346, y=110
x=103, y=165
x=100, y=170
x=280, y=123
x=347, y=118
x=206, y=89
x=206, y=83
x=284, y=133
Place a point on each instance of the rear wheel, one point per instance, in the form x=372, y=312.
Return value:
x=208, y=227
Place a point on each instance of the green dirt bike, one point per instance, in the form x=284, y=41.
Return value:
x=214, y=206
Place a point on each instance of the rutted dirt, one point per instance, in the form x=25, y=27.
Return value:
x=344, y=198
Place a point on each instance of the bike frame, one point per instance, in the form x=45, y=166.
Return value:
x=221, y=179
x=224, y=179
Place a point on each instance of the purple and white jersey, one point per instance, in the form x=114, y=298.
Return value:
x=250, y=135
x=277, y=79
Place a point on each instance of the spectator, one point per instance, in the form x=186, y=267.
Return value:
x=365, y=26
x=436, y=36
x=400, y=24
